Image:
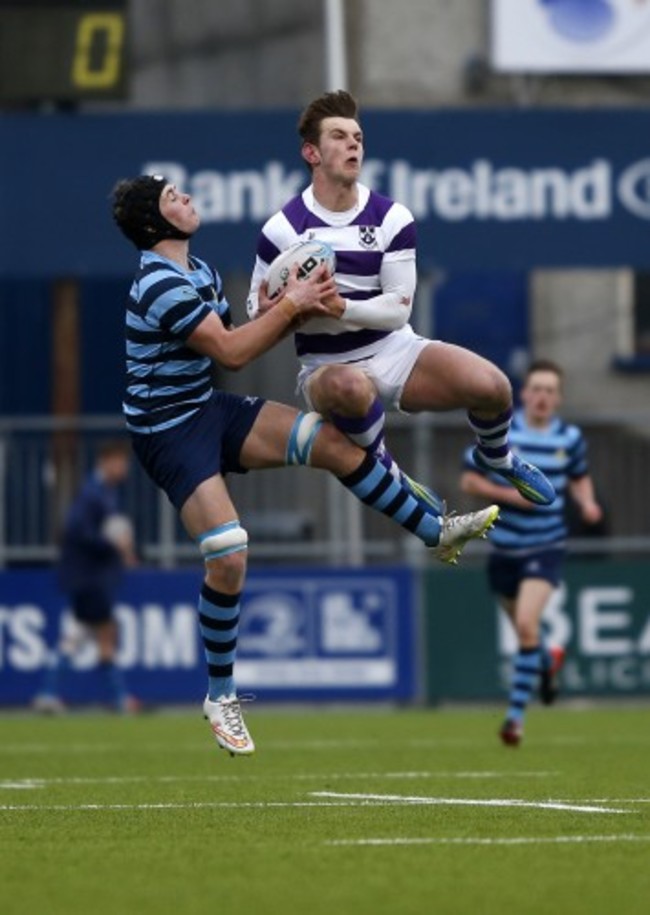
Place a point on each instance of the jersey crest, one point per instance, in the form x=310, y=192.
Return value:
x=368, y=237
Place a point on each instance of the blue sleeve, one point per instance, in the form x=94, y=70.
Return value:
x=222, y=306
x=578, y=465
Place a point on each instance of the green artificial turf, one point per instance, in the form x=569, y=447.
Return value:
x=338, y=812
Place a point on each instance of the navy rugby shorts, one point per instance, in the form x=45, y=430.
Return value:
x=506, y=573
x=92, y=606
x=208, y=443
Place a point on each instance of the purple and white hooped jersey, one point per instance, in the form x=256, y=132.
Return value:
x=369, y=241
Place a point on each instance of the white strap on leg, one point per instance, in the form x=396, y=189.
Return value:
x=302, y=436
x=222, y=540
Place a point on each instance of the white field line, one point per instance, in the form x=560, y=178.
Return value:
x=33, y=783
x=330, y=799
x=320, y=745
x=533, y=840
x=469, y=802
x=612, y=800
x=57, y=749
x=199, y=805
x=42, y=783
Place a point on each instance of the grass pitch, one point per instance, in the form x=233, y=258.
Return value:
x=369, y=811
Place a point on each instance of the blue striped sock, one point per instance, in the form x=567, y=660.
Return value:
x=376, y=487
x=527, y=666
x=219, y=625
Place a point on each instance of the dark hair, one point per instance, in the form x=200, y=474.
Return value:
x=136, y=210
x=339, y=104
x=544, y=365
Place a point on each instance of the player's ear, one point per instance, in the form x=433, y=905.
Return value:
x=310, y=154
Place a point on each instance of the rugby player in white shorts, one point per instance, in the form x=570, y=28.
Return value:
x=365, y=358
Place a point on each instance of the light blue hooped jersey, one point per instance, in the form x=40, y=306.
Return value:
x=166, y=380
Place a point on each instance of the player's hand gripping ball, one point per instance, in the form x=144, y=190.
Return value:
x=307, y=254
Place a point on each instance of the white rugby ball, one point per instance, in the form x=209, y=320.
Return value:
x=307, y=254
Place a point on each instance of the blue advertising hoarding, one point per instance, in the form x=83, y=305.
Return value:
x=497, y=189
x=304, y=634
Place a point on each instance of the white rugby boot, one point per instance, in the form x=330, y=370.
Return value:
x=228, y=726
x=457, y=530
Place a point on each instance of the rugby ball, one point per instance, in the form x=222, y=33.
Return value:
x=307, y=254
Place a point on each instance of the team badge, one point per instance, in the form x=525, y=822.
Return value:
x=367, y=236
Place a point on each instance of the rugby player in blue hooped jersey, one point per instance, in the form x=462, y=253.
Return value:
x=187, y=434
x=525, y=565
x=366, y=358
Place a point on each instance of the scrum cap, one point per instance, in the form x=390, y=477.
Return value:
x=136, y=210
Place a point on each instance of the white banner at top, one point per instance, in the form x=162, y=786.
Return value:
x=571, y=36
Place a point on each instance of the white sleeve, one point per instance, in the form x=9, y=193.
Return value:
x=277, y=235
x=392, y=309
x=259, y=272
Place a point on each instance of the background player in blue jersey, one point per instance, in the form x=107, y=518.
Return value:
x=529, y=546
x=187, y=434
x=365, y=357
x=96, y=544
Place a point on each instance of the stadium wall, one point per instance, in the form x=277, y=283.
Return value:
x=305, y=635
x=561, y=196
x=600, y=615
x=339, y=635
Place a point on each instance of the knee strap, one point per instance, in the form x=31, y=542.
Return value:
x=222, y=540
x=302, y=436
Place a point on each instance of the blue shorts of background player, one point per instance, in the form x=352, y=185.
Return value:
x=506, y=573
x=92, y=606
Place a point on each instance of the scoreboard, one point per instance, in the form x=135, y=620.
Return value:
x=63, y=50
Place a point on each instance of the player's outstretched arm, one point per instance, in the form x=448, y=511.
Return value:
x=235, y=348
x=583, y=493
x=475, y=484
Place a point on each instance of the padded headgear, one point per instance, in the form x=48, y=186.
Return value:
x=136, y=210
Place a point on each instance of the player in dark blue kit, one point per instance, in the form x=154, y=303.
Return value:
x=187, y=434
x=530, y=542
x=97, y=543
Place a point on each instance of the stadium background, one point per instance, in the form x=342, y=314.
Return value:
x=339, y=605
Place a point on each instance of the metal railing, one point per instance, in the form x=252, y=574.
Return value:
x=296, y=515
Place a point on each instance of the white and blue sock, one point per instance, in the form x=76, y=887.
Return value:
x=492, y=438
x=368, y=433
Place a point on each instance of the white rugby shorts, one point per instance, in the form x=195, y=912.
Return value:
x=388, y=368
